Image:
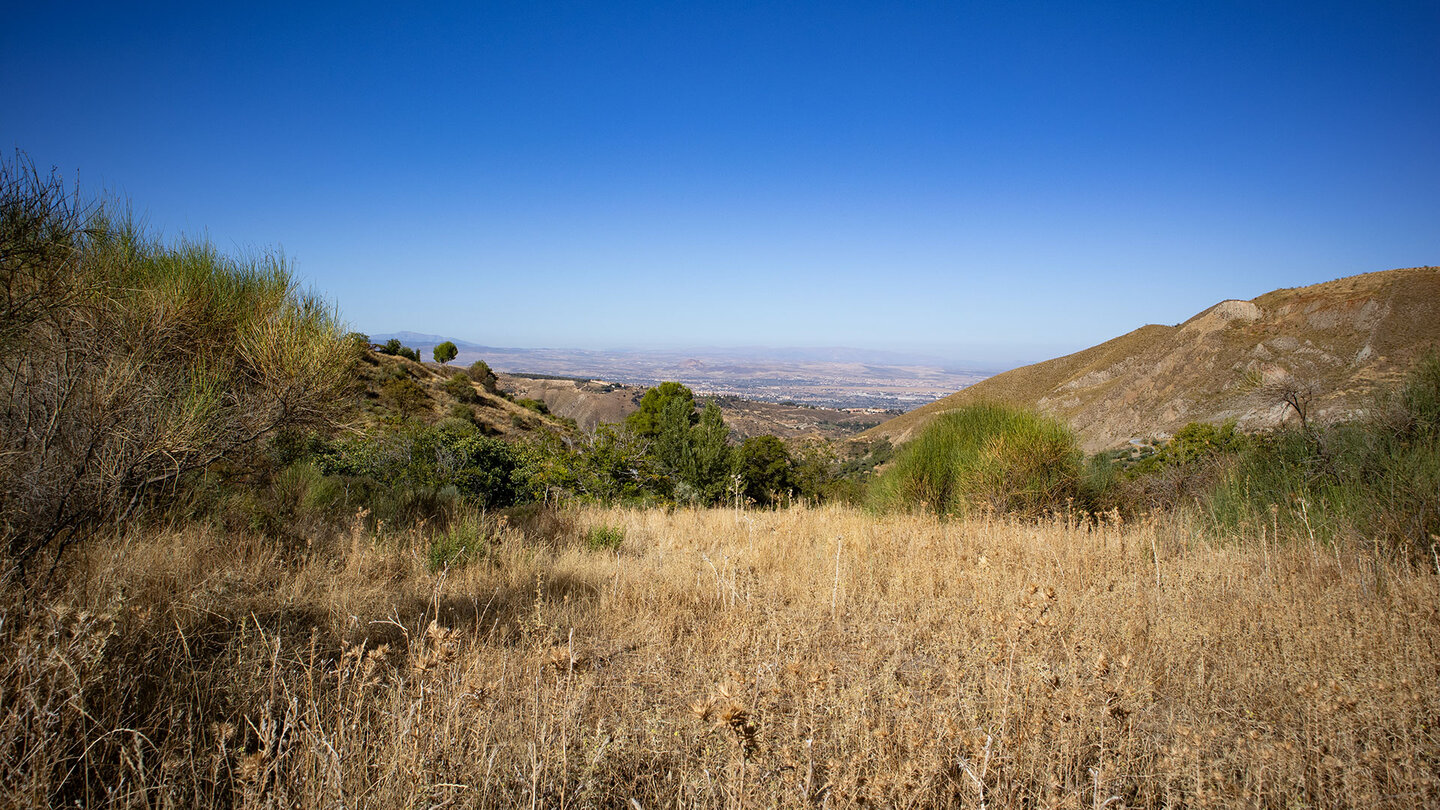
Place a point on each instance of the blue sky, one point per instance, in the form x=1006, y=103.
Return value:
x=986, y=180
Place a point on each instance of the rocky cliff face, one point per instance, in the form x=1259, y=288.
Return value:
x=1333, y=345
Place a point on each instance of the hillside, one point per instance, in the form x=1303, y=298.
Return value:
x=1337, y=342
x=494, y=415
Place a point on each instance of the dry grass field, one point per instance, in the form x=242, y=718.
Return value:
x=809, y=657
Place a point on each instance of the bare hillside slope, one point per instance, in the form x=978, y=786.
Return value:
x=1336, y=342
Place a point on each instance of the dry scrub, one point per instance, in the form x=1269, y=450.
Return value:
x=722, y=659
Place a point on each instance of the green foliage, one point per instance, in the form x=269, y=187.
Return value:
x=1369, y=481
x=1195, y=442
x=459, y=387
x=604, y=538
x=405, y=396
x=647, y=421
x=445, y=352
x=616, y=467
x=814, y=467
x=480, y=372
x=765, y=469
x=462, y=411
x=481, y=470
x=536, y=405
x=392, y=347
x=984, y=457
x=409, y=353
x=129, y=365
x=707, y=458
x=465, y=540
x=692, y=450
x=611, y=466
x=1413, y=415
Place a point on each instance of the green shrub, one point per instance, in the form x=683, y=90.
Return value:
x=480, y=372
x=482, y=471
x=129, y=365
x=405, y=396
x=464, y=541
x=1375, y=480
x=984, y=457
x=765, y=468
x=535, y=405
x=604, y=538
x=459, y=387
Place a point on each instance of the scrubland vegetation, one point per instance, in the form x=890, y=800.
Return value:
x=248, y=561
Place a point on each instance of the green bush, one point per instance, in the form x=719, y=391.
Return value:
x=462, y=411
x=1375, y=480
x=604, y=538
x=405, y=396
x=480, y=372
x=130, y=365
x=459, y=387
x=984, y=457
x=482, y=471
x=765, y=469
x=464, y=541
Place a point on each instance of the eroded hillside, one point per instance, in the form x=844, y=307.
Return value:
x=1335, y=343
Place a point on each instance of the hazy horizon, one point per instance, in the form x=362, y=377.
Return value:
x=975, y=358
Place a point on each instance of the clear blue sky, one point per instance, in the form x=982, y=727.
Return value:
x=996, y=179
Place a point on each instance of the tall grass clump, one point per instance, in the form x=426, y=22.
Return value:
x=128, y=363
x=986, y=457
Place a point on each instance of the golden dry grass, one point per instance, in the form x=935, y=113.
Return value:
x=809, y=657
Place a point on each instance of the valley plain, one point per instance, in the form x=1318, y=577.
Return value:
x=830, y=378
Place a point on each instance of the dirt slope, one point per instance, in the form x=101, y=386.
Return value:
x=1340, y=341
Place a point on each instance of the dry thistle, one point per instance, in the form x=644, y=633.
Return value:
x=738, y=719
x=1102, y=666
x=251, y=766
x=703, y=709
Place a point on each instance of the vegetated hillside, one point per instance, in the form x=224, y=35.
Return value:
x=1335, y=344
x=593, y=402
x=494, y=415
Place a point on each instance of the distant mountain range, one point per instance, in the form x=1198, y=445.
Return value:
x=1338, y=342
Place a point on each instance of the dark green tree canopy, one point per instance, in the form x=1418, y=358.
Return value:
x=445, y=352
x=709, y=457
x=765, y=468
x=480, y=372
x=648, y=421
